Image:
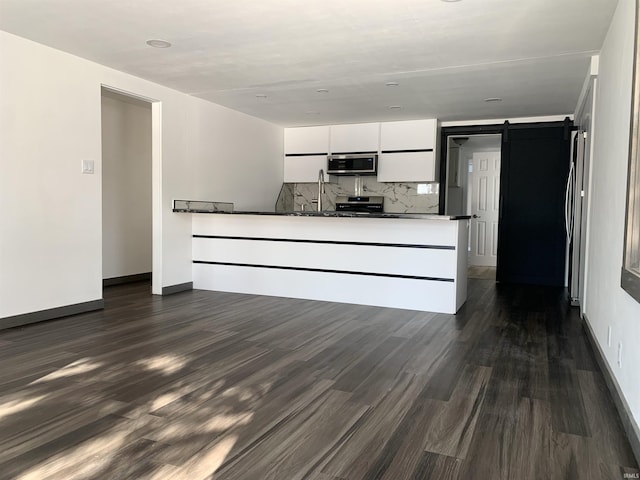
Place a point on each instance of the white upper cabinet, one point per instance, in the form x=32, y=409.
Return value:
x=407, y=167
x=408, y=135
x=357, y=137
x=306, y=140
x=407, y=149
x=304, y=169
x=305, y=153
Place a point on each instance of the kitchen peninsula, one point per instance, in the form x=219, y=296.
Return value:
x=410, y=261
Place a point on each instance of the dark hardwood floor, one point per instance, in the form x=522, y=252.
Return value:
x=483, y=273
x=204, y=385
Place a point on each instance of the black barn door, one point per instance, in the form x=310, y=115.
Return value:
x=532, y=239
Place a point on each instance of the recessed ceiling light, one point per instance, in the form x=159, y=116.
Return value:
x=395, y=107
x=157, y=43
x=391, y=84
x=322, y=90
x=261, y=95
x=492, y=99
x=312, y=112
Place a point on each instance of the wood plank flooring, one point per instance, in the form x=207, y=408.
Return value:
x=204, y=385
x=484, y=273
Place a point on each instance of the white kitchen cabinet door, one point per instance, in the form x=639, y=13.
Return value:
x=304, y=169
x=358, y=137
x=306, y=140
x=408, y=135
x=406, y=167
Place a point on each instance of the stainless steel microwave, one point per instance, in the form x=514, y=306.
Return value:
x=353, y=164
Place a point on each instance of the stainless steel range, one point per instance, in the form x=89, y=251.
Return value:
x=359, y=204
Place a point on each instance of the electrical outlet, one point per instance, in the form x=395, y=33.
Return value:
x=619, y=354
x=609, y=336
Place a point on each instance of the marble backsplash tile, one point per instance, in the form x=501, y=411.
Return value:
x=284, y=203
x=398, y=197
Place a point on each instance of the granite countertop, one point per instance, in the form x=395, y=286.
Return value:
x=308, y=213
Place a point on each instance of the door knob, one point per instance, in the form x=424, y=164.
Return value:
x=475, y=216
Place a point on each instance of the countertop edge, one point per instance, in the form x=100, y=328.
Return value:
x=332, y=214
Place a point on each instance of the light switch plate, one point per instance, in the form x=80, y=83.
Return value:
x=87, y=166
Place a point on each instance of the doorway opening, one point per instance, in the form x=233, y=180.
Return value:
x=127, y=193
x=532, y=236
x=473, y=188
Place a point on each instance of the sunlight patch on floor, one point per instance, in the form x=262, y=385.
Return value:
x=89, y=458
x=205, y=465
x=169, y=397
x=223, y=422
x=78, y=367
x=245, y=394
x=166, y=364
x=15, y=406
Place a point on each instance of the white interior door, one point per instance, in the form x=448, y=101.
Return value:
x=484, y=180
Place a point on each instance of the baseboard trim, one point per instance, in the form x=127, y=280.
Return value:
x=137, y=277
x=50, y=314
x=181, y=287
x=629, y=424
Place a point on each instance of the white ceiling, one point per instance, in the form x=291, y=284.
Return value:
x=446, y=57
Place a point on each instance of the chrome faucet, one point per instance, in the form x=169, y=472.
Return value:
x=320, y=188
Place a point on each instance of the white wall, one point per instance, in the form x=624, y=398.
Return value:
x=126, y=188
x=50, y=220
x=239, y=158
x=606, y=303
